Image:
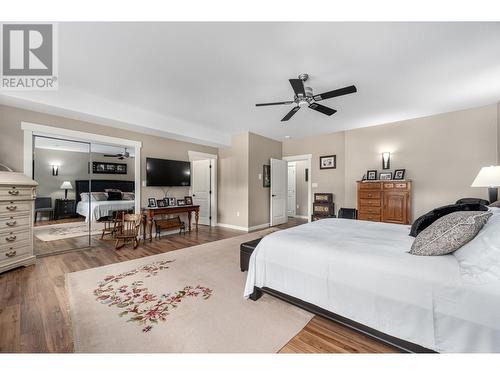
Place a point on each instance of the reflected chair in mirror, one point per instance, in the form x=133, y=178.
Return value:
x=130, y=227
x=44, y=205
x=112, y=224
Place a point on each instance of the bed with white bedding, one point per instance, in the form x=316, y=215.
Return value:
x=99, y=209
x=362, y=271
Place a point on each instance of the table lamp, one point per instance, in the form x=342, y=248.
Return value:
x=66, y=185
x=489, y=177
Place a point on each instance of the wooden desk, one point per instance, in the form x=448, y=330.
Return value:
x=151, y=212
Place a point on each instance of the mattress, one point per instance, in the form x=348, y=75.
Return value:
x=362, y=270
x=99, y=209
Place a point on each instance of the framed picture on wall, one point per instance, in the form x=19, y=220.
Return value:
x=266, y=176
x=371, y=175
x=328, y=162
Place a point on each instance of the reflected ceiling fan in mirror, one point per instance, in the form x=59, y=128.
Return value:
x=120, y=156
x=304, y=96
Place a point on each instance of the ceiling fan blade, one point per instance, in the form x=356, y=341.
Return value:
x=334, y=93
x=275, y=103
x=290, y=114
x=111, y=156
x=321, y=108
x=298, y=86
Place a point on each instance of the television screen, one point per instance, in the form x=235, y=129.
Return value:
x=161, y=172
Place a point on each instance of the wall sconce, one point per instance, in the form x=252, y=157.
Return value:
x=55, y=170
x=386, y=160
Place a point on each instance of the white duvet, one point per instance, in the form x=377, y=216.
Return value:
x=99, y=209
x=362, y=271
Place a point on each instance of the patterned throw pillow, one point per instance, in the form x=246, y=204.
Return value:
x=99, y=196
x=128, y=196
x=449, y=233
x=495, y=204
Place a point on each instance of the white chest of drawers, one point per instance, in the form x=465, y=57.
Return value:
x=17, y=195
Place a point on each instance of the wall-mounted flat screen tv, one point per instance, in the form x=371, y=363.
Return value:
x=162, y=172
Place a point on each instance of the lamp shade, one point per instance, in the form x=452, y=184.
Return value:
x=66, y=185
x=487, y=177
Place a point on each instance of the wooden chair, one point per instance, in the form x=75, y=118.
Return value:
x=130, y=227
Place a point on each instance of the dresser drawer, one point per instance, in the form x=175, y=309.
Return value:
x=10, y=207
x=8, y=254
x=395, y=185
x=369, y=217
x=14, y=222
x=370, y=210
x=369, y=203
x=370, y=186
x=12, y=238
x=370, y=194
x=13, y=193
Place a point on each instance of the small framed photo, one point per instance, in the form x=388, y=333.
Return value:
x=328, y=162
x=171, y=201
x=152, y=202
x=371, y=175
x=399, y=174
x=385, y=176
x=161, y=203
x=188, y=200
x=266, y=176
x=181, y=202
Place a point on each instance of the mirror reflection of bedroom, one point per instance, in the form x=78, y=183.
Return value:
x=83, y=189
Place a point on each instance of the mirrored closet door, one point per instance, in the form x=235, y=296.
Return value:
x=59, y=221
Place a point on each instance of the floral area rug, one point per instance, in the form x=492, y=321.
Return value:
x=189, y=300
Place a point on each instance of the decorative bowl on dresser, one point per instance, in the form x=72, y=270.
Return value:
x=386, y=201
x=17, y=196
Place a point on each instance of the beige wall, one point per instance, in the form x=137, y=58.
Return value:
x=11, y=143
x=261, y=150
x=441, y=154
x=328, y=180
x=233, y=182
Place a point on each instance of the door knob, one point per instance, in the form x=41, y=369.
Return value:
x=273, y=195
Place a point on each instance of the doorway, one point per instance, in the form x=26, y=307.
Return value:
x=299, y=187
x=204, y=185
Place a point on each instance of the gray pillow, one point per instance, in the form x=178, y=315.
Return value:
x=449, y=233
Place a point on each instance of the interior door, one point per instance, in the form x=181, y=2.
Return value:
x=201, y=188
x=279, y=191
x=292, y=189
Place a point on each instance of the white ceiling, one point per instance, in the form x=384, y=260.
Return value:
x=200, y=81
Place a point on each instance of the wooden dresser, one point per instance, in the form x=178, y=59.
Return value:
x=17, y=195
x=387, y=201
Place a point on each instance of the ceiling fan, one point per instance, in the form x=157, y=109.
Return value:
x=120, y=156
x=304, y=96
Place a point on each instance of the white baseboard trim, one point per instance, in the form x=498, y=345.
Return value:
x=230, y=226
x=257, y=227
x=244, y=229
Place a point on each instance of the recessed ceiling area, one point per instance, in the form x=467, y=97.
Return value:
x=200, y=81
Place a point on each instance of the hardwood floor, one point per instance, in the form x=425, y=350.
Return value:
x=34, y=312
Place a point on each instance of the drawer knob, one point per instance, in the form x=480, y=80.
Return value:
x=11, y=238
x=11, y=223
x=11, y=254
x=14, y=192
x=11, y=208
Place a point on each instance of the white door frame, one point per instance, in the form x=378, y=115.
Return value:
x=195, y=155
x=307, y=158
x=31, y=129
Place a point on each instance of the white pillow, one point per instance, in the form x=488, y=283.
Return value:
x=479, y=259
x=84, y=197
